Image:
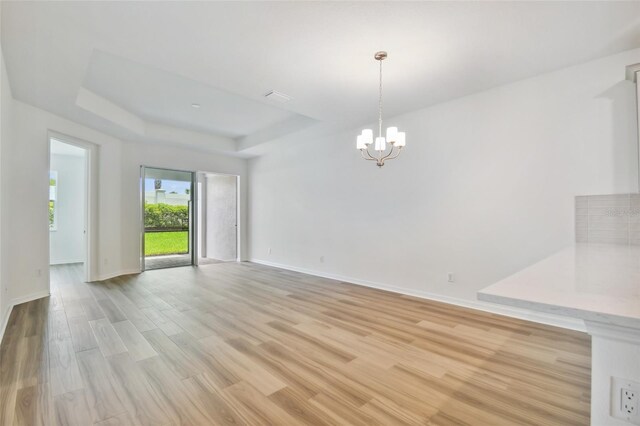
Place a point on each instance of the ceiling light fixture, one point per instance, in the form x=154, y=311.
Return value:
x=394, y=137
x=196, y=106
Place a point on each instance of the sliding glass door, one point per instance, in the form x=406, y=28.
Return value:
x=167, y=218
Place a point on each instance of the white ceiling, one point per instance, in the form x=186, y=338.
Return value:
x=144, y=63
x=160, y=96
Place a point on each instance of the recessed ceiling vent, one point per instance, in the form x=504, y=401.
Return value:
x=277, y=96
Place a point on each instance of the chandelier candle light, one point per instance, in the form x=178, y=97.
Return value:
x=394, y=137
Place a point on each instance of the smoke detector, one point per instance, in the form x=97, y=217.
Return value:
x=278, y=97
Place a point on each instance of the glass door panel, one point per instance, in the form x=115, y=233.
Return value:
x=167, y=239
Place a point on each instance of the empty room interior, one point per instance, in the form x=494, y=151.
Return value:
x=319, y=213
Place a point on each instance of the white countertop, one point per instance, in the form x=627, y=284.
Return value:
x=596, y=282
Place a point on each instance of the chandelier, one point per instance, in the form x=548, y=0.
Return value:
x=395, y=138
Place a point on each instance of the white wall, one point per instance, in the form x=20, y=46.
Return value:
x=484, y=187
x=638, y=119
x=6, y=120
x=221, y=217
x=26, y=221
x=66, y=242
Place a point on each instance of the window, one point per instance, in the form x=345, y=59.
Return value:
x=53, y=193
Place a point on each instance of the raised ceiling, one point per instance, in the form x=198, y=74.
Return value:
x=160, y=96
x=133, y=69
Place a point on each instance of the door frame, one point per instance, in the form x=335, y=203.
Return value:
x=193, y=214
x=91, y=201
x=238, y=214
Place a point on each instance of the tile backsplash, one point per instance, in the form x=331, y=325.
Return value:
x=608, y=219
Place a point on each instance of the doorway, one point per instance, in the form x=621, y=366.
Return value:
x=217, y=198
x=68, y=212
x=167, y=218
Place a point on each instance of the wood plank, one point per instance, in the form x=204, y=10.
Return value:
x=91, y=309
x=135, y=342
x=104, y=394
x=181, y=408
x=299, y=407
x=34, y=406
x=341, y=412
x=210, y=399
x=132, y=312
x=108, y=339
x=111, y=311
x=72, y=307
x=221, y=374
x=71, y=408
x=141, y=399
x=181, y=363
x=191, y=325
x=63, y=367
x=256, y=408
x=82, y=334
x=58, y=326
x=34, y=361
x=242, y=366
x=123, y=419
x=162, y=321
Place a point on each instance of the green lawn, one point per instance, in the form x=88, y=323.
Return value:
x=157, y=243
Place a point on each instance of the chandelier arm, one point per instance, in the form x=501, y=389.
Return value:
x=362, y=151
x=389, y=154
x=377, y=157
x=369, y=154
x=395, y=156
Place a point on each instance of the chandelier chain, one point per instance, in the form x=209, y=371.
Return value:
x=380, y=110
x=380, y=103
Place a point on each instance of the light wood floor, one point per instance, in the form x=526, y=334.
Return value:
x=246, y=344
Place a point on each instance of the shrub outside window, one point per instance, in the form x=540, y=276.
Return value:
x=53, y=194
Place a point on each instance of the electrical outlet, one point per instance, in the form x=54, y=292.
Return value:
x=629, y=402
x=321, y=259
x=626, y=400
x=451, y=277
x=269, y=250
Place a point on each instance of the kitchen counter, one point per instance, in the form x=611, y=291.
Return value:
x=593, y=282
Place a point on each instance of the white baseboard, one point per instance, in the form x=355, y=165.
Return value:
x=5, y=321
x=520, y=313
x=30, y=297
x=17, y=301
x=65, y=262
x=109, y=275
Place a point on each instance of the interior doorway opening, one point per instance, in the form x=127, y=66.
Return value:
x=217, y=213
x=68, y=212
